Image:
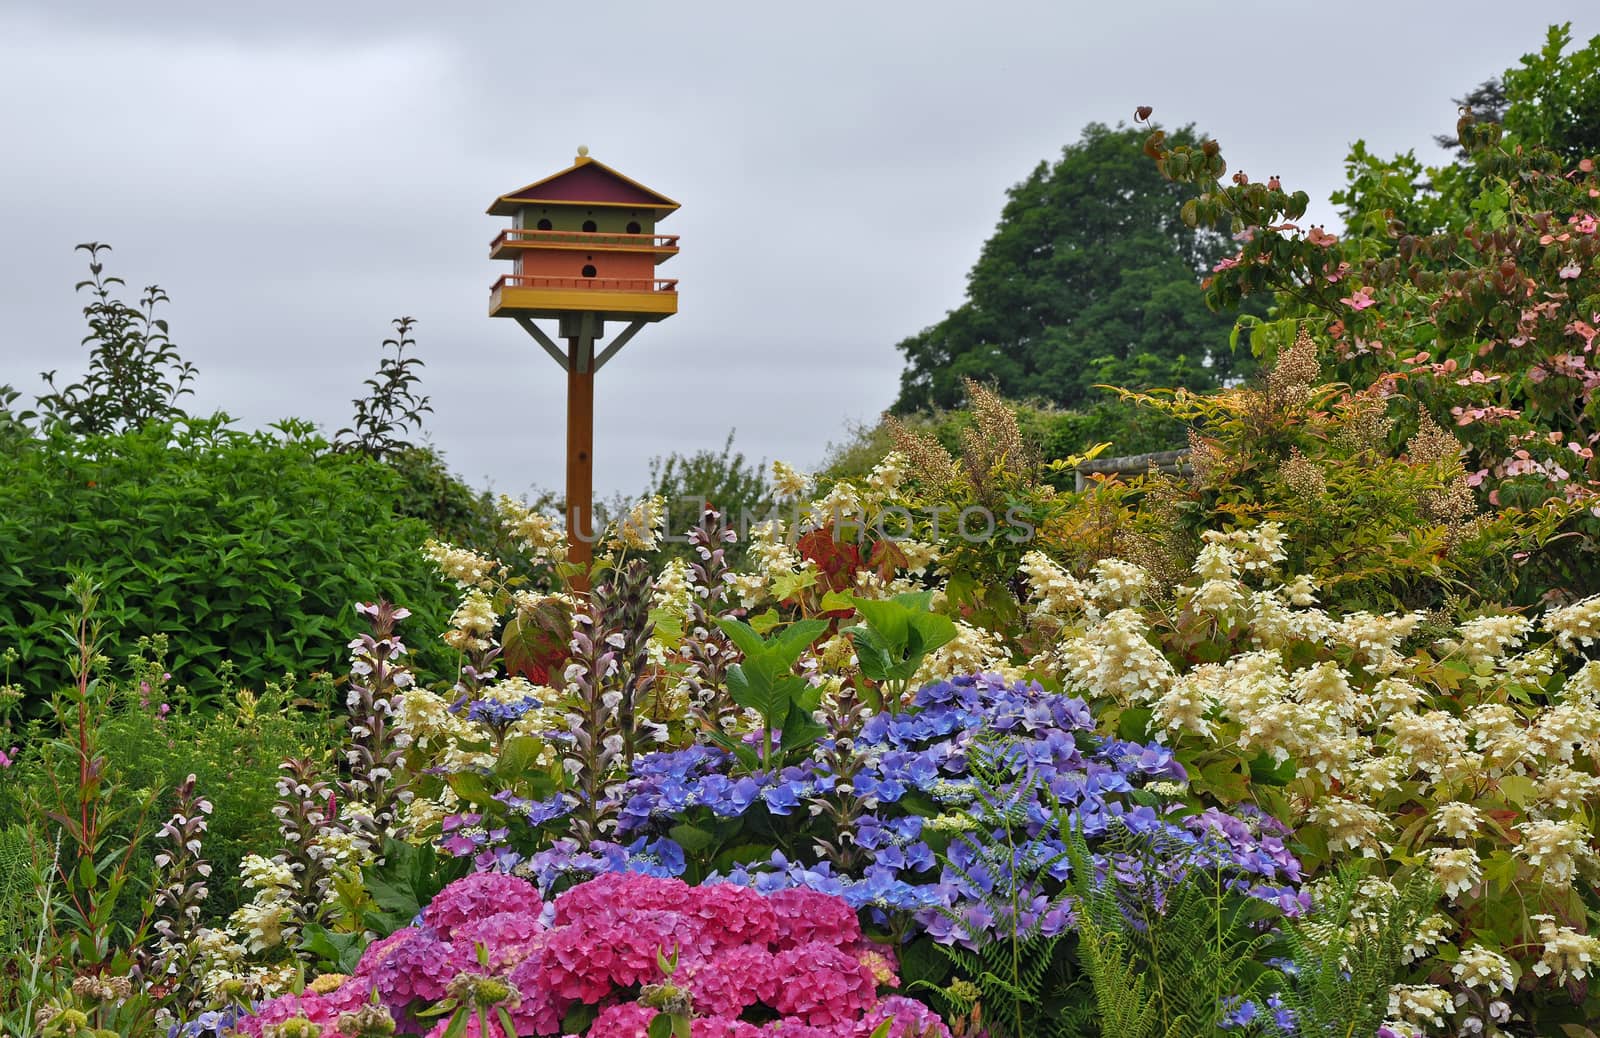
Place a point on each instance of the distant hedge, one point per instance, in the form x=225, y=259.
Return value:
x=245, y=547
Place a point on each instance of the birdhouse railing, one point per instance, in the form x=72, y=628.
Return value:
x=586, y=239
x=590, y=284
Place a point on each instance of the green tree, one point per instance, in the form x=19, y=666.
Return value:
x=1090, y=278
x=722, y=478
x=1553, y=98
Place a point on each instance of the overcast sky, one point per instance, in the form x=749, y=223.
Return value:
x=296, y=174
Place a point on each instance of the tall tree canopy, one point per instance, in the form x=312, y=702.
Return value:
x=1090, y=278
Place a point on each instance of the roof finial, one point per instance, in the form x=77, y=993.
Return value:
x=583, y=151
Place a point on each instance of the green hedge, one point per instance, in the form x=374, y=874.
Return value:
x=246, y=549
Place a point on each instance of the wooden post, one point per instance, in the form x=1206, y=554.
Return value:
x=581, y=532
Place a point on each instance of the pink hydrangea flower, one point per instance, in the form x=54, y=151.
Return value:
x=733, y=980
x=603, y=894
x=799, y=953
x=723, y=1027
x=478, y=896
x=822, y=985
x=796, y=1029
x=474, y=1028
x=354, y=993
x=508, y=937
x=376, y=951
x=624, y=1020
x=804, y=916
x=734, y=915
x=313, y=1007
x=416, y=970
x=542, y=1008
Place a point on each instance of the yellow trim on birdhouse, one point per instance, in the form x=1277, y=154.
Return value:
x=507, y=204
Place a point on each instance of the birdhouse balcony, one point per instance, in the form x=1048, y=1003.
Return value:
x=614, y=298
x=513, y=242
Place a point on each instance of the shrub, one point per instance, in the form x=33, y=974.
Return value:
x=242, y=547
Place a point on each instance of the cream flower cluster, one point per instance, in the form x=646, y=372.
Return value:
x=473, y=624
x=1567, y=954
x=972, y=651
x=469, y=569
x=1485, y=968
x=1057, y=592
x=1575, y=625
x=540, y=534
x=640, y=529
x=265, y=921
x=1373, y=717
x=1420, y=1005
x=788, y=481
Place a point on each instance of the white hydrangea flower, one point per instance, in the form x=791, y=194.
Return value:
x=469, y=569
x=1059, y=593
x=1555, y=847
x=1424, y=1004
x=789, y=481
x=1456, y=869
x=540, y=534
x=1432, y=742
x=1352, y=825
x=1575, y=625
x=1485, y=968
x=1458, y=821
x=473, y=623
x=1486, y=640
x=1118, y=583
x=640, y=529
x=1430, y=932
x=1567, y=953
x=1115, y=659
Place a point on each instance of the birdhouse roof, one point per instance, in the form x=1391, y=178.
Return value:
x=588, y=182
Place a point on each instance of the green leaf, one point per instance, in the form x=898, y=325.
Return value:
x=837, y=601
x=518, y=756
x=745, y=754
x=660, y=1026
x=743, y=635
x=335, y=952
x=936, y=629
x=792, y=642
x=692, y=838
x=764, y=622
x=407, y=880
x=1224, y=780
x=1265, y=770
x=889, y=621
x=470, y=787
x=755, y=685
x=578, y=1018
x=873, y=656
x=1134, y=724
x=800, y=729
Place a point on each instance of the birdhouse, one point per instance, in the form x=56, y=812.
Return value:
x=584, y=241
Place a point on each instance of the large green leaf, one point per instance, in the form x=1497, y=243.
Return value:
x=791, y=643
x=872, y=654
x=889, y=620
x=335, y=952
x=407, y=880
x=743, y=635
